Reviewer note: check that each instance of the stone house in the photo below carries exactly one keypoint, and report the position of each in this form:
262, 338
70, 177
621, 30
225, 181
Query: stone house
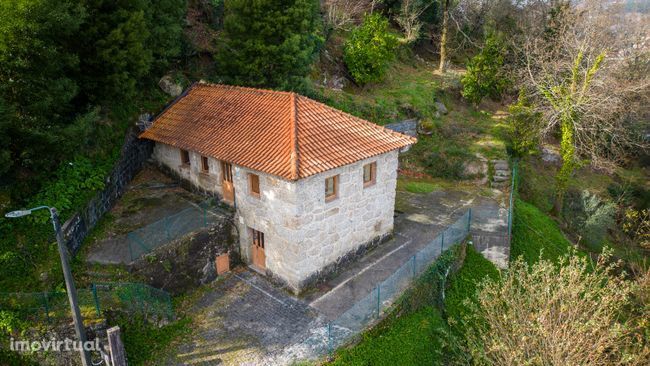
312, 187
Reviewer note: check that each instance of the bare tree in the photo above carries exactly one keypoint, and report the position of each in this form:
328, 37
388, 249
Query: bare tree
409, 18
342, 14
587, 70
444, 34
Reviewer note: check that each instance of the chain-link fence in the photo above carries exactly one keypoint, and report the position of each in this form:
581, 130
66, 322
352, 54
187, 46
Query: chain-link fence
380, 299
154, 235
513, 188
132, 298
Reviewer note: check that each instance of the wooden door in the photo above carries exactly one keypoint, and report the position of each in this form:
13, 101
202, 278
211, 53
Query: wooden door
259, 258
226, 182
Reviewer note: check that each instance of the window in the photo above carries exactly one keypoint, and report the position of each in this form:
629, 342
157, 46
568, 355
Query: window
331, 188
205, 167
369, 173
258, 238
185, 157
254, 185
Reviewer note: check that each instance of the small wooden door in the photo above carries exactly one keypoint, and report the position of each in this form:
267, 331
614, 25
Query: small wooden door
259, 258
226, 182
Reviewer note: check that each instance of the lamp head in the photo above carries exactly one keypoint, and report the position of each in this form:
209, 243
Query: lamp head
18, 213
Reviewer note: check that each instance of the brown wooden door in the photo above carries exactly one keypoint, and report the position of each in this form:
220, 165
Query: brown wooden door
226, 182
259, 258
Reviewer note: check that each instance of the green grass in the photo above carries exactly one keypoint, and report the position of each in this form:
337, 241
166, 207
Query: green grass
146, 344
411, 339
534, 232
421, 187
463, 284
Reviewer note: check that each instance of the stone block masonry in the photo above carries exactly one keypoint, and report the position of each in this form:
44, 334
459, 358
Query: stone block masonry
305, 237
134, 154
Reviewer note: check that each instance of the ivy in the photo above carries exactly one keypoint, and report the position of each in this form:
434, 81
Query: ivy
75, 182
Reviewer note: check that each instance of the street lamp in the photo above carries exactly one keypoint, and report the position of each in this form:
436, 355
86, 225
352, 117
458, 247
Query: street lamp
67, 275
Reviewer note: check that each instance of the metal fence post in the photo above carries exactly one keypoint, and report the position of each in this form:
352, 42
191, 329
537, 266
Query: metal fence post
47, 306
97, 308
414, 266
469, 219
378, 300
330, 347
442, 242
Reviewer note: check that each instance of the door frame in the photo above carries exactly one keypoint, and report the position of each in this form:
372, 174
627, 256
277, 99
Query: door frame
258, 249
227, 185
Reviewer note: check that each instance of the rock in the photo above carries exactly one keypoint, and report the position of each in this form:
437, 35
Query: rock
440, 107
170, 87
409, 110
550, 155
144, 121
500, 165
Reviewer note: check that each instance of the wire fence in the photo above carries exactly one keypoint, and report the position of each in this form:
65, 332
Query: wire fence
156, 234
132, 298
511, 199
381, 298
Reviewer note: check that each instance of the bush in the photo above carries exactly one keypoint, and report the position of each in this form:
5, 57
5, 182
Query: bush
525, 124
588, 216
369, 50
565, 313
485, 76
448, 162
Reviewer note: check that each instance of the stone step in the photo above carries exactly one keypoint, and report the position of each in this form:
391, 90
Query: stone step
500, 178
501, 173
500, 165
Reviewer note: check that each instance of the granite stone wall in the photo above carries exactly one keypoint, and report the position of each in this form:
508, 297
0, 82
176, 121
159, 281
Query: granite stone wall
306, 238
134, 154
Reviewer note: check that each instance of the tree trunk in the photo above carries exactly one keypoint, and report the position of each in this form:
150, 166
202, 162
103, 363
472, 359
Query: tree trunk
443, 38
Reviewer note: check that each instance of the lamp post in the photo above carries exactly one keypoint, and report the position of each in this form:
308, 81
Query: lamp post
67, 275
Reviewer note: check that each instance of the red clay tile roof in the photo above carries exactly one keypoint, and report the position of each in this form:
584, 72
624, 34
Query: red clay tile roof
278, 133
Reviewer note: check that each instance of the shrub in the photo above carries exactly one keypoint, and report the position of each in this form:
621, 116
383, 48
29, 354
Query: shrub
485, 76
447, 161
369, 50
588, 216
552, 314
525, 124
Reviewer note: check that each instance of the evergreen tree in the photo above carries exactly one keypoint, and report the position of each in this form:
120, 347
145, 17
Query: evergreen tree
37, 80
269, 43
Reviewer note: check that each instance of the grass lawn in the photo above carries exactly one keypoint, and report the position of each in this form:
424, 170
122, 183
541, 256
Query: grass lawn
463, 284
533, 232
411, 339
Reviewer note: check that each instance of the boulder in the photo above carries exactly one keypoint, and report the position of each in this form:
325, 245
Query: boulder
144, 121
550, 155
440, 107
169, 86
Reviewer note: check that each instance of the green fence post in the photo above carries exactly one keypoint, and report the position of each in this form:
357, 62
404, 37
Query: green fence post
130, 247
97, 308
414, 265
47, 306
469, 219
442, 242
170, 307
330, 347
378, 300
167, 228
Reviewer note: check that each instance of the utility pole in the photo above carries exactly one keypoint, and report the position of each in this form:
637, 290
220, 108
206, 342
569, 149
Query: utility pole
67, 275
72, 290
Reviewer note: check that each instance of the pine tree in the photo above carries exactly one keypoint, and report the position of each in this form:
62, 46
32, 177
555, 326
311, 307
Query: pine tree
269, 43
